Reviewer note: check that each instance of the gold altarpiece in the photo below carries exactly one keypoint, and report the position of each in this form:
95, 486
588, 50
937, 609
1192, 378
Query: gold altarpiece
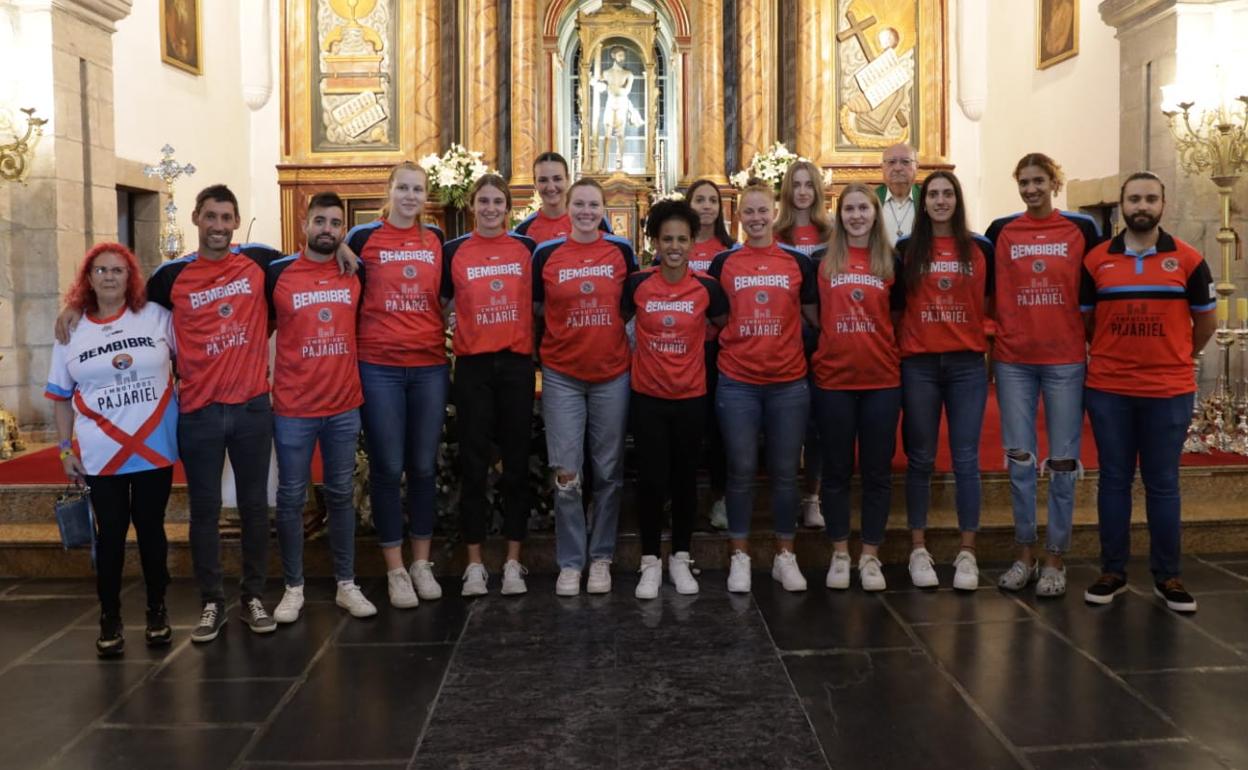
362, 89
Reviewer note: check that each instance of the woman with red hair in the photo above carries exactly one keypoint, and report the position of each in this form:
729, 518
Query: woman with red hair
112, 387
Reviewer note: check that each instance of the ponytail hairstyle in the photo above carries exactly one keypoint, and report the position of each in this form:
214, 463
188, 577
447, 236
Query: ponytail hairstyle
786, 220
836, 255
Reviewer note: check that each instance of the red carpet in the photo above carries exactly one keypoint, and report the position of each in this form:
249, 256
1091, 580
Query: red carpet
42, 467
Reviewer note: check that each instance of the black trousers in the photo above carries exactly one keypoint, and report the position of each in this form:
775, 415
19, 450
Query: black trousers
667, 434
716, 461
494, 403
117, 500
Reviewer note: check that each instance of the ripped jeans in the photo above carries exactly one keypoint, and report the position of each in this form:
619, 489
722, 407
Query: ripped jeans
1019, 386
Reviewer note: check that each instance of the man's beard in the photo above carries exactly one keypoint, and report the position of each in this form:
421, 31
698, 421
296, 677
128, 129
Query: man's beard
1141, 222
319, 245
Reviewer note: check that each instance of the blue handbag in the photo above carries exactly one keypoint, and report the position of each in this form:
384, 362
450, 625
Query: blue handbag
76, 520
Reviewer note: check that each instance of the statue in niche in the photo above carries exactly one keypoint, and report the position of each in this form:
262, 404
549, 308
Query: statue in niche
618, 111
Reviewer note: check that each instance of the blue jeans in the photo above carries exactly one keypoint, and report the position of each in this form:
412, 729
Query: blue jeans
295, 439
1019, 386
579, 413
867, 418
780, 411
1152, 430
403, 411
958, 382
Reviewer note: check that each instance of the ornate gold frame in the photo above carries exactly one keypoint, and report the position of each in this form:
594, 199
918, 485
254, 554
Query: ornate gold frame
199, 40
1041, 62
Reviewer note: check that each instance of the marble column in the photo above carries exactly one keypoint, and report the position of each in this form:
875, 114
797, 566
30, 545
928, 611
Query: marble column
706, 121
426, 72
757, 105
816, 82
480, 85
526, 52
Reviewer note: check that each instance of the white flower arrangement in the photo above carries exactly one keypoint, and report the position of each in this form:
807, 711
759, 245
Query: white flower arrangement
452, 174
770, 166
655, 197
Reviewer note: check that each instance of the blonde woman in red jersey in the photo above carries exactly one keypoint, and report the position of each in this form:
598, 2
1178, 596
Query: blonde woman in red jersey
762, 381
803, 224
857, 377
577, 285
947, 271
551, 178
1040, 349
487, 274
672, 307
711, 238
404, 376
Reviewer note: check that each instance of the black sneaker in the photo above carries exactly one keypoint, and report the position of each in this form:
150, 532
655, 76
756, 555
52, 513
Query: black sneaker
111, 643
211, 619
1176, 596
158, 632
256, 617
1106, 587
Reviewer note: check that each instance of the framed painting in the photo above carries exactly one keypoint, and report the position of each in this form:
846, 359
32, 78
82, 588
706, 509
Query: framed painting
181, 41
1057, 31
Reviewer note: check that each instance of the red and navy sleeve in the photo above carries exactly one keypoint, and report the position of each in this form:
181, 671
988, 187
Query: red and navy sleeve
448, 254
1087, 290
271, 275
628, 302
808, 293
718, 304
1087, 227
160, 284
990, 263
897, 293
1200, 294
540, 255
626, 250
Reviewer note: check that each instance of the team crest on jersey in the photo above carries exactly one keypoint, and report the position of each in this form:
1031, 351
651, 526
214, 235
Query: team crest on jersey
858, 295
945, 283
669, 321
225, 310
587, 287
1037, 266
1169, 264
761, 298
122, 362
496, 284
324, 315
409, 271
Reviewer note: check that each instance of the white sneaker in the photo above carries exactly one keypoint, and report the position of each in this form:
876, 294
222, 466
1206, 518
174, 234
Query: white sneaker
784, 570
352, 599
739, 573
965, 571
870, 574
288, 609
599, 581
399, 585
812, 512
651, 578
475, 578
568, 583
513, 578
838, 571
923, 569
680, 574
427, 586
719, 514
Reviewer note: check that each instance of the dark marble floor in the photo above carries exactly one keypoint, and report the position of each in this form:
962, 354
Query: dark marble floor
774, 680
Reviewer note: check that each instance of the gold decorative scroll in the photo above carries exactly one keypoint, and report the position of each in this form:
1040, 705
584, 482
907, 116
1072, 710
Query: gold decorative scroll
525, 61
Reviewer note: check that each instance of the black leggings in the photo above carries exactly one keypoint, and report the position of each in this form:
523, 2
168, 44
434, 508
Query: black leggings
117, 500
667, 435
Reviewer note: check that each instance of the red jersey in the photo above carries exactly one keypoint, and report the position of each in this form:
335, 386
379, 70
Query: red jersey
220, 323
857, 346
806, 239
491, 282
766, 288
700, 257
316, 373
401, 271
1143, 306
671, 321
1037, 268
945, 312
541, 228
579, 286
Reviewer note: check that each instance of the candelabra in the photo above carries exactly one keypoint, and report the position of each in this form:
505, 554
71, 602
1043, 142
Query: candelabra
1239, 444
16, 156
168, 170
1195, 442
1221, 403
